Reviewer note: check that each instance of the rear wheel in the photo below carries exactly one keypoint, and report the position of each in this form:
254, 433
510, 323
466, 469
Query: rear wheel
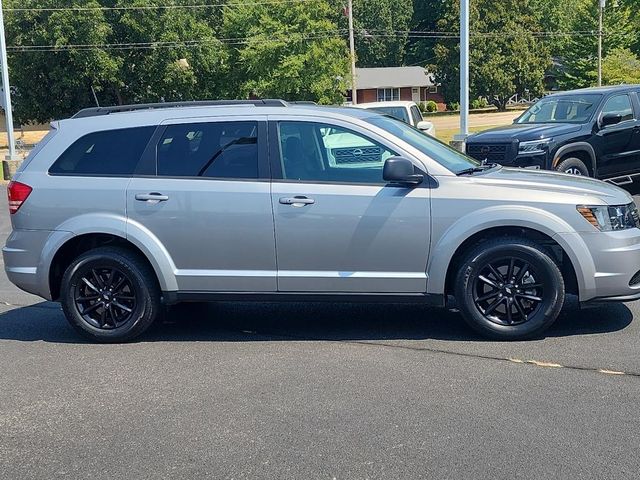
110, 295
509, 289
573, 166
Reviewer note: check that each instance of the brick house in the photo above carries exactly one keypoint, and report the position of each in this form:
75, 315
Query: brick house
386, 84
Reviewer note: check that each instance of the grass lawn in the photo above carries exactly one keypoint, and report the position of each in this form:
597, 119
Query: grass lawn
446, 134
449, 125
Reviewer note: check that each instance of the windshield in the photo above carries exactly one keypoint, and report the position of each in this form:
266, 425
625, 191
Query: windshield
397, 112
562, 109
440, 152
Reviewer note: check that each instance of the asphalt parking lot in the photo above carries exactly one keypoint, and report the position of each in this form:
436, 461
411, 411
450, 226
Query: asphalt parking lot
317, 391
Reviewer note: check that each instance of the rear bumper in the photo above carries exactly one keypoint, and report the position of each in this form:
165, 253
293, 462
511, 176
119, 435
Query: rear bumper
22, 261
608, 265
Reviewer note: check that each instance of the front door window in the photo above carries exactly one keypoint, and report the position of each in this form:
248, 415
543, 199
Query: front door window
314, 152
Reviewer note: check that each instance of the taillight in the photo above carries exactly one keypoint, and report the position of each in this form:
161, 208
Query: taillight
18, 193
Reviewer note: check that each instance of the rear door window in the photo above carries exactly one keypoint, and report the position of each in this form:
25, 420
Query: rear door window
108, 152
213, 150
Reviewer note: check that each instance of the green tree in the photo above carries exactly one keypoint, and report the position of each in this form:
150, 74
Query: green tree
126, 56
426, 15
178, 54
53, 83
580, 54
506, 57
621, 66
289, 50
381, 30
556, 19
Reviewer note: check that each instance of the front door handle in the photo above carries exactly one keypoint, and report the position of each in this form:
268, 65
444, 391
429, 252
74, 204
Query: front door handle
298, 201
151, 197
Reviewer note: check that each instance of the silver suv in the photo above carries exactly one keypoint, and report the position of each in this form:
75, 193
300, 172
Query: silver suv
120, 211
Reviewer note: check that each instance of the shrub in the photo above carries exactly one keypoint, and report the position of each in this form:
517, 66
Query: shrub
453, 106
479, 103
430, 106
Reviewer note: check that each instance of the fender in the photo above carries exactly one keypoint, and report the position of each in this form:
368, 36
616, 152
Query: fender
115, 225
576, 147
442, 253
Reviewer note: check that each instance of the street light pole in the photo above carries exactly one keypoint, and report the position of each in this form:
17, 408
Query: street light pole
352, 49
464, 73
601, 5
6, 94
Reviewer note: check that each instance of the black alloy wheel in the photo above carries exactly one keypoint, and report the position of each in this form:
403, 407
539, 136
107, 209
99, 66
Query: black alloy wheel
506, 291
110, 294
509, 288
105, 298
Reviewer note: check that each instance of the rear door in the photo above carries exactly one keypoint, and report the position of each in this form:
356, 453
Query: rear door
619, 144
202, 190
339, 227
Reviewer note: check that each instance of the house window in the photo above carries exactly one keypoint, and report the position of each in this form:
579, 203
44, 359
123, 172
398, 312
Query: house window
433, 89
388, 94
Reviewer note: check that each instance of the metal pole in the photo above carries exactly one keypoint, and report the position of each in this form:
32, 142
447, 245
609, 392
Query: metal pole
352, 48
6, 94
601, 5
464, 71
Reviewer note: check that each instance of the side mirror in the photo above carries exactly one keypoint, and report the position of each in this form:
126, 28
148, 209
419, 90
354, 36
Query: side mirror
424, 125
609, 119
400, 170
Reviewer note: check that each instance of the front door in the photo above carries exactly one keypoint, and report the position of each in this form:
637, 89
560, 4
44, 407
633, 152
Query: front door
620, 151
415, 94
206, 199
339, 227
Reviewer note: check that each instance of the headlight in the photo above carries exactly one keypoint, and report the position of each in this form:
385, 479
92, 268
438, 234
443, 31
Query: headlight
534, 147
607, 219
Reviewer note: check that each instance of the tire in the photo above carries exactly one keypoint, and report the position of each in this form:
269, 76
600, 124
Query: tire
525, 307
573, 166
115, 278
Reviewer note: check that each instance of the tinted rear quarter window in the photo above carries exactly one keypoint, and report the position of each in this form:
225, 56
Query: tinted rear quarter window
108, 152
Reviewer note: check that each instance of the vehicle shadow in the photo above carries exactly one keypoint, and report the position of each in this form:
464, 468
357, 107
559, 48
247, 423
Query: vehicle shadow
244, 322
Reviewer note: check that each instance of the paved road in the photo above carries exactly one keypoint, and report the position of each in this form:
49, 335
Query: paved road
315, 391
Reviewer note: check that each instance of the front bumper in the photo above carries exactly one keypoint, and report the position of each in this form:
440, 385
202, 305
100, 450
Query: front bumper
607, 264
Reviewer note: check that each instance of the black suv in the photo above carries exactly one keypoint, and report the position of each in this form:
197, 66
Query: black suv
593, 131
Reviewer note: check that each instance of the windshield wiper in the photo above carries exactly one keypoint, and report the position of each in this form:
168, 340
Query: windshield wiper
479, 168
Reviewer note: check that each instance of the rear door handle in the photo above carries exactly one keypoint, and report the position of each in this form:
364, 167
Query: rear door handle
151, 197
298, 201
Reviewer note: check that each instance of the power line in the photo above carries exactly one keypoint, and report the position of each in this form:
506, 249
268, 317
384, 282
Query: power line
173, 44
443, 35
151, 7
339, 33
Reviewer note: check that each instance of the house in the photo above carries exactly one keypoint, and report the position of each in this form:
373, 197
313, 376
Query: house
386, 84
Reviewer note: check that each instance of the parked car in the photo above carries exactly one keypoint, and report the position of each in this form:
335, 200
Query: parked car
590, 132
408, 112
121, 210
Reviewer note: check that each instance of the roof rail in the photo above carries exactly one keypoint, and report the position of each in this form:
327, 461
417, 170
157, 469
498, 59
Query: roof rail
98, 111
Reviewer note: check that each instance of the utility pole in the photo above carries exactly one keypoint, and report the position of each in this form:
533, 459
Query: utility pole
352, 49
601, 5
464, 74
6, 94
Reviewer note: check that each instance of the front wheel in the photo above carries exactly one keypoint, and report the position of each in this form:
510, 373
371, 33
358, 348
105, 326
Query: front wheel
110, 294
573, 166
509, 289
